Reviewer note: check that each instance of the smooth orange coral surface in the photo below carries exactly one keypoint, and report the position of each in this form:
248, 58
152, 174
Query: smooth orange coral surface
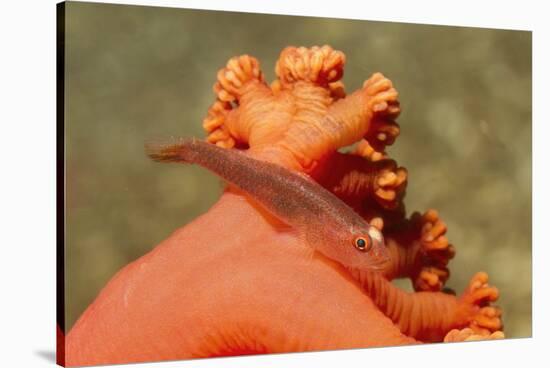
231, 282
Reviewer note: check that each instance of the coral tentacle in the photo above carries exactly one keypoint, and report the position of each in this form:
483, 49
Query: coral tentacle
429, 316
318, 65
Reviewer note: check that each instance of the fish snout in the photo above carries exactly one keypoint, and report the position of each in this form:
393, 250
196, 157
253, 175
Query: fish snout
381, 256
379, 253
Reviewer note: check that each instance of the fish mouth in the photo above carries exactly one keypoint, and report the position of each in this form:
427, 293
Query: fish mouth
378, 267
371, 271
380, 264
380, 257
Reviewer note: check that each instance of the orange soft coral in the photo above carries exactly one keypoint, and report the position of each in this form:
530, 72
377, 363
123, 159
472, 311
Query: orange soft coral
232, 282
303, 117
307, 114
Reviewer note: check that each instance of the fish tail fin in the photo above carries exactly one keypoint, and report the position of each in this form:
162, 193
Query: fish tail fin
171, 150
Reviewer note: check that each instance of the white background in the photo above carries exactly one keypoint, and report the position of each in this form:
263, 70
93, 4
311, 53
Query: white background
27, 181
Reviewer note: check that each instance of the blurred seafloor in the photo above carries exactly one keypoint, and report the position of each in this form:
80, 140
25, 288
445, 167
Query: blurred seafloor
135, 72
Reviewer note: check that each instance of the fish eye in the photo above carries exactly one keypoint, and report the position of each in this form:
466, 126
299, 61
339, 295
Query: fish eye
363, 243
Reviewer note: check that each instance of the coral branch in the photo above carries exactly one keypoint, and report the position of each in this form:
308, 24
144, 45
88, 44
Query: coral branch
422, 251
233, 79
429, 316
322, 66
241, 76
467, 334
372, 188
